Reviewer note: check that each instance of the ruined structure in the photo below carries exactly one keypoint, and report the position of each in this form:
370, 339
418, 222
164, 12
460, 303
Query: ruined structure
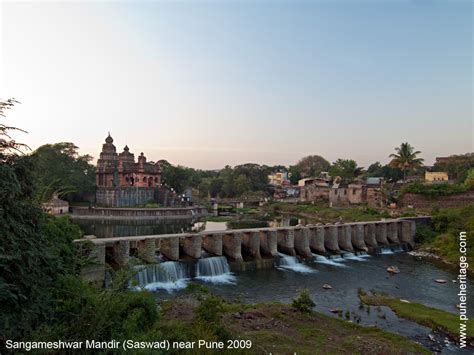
123, 182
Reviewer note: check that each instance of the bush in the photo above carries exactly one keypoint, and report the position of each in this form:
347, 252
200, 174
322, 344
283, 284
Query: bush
434, 190
424, 234
303, 302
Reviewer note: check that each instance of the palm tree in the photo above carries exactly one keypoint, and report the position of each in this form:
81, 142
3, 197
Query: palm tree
405, 159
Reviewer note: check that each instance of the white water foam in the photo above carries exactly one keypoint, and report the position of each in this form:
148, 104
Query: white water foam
287, 262
214, 270
320, 259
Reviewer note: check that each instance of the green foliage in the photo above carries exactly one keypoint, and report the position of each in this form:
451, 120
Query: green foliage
108, 313
434, 190
309, 166
447, 225
208, 315
457, 167
469, 182
347, 169
406, 158
303, 302
424, 234
36, 249
386, 171
59, 167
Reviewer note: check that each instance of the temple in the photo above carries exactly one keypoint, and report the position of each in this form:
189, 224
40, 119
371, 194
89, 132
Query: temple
121, 170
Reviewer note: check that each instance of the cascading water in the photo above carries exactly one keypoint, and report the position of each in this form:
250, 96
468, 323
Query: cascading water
291, 263
214, 269
169, 276
320, 259
355, 257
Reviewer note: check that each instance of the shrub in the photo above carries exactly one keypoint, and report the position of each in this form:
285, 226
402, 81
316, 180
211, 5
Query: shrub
424, 234
434, 190
303, 302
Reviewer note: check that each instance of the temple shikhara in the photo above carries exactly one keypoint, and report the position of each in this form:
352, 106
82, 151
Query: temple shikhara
120, 169
123, 182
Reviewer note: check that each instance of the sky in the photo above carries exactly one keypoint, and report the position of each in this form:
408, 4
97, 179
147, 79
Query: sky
212, 83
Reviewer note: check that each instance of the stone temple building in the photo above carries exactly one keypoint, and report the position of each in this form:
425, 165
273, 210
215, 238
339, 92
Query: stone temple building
121, 170
122, 181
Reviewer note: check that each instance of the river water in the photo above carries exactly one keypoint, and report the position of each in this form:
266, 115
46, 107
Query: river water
346, 275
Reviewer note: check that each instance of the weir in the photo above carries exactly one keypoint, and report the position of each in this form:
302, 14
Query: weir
247, 245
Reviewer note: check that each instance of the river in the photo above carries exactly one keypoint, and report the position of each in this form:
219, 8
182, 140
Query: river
346, 275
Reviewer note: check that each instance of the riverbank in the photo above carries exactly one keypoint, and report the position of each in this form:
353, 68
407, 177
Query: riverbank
436, 319
276, 328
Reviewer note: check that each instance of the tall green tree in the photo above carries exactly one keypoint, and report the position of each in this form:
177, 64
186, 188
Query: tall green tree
312, 165
405, 158
457, 166
60, 168
347, 169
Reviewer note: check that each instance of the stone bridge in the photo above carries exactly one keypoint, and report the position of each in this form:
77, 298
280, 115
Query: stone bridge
241, 245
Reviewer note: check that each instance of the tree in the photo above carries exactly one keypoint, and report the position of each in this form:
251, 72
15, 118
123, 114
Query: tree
347, 169
457, 166
59, 168
385, 171
312, 165
405, 159
7, 143
469, 182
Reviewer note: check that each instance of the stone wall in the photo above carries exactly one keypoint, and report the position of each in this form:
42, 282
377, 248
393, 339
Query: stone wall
422, 201
124, 196
314, 193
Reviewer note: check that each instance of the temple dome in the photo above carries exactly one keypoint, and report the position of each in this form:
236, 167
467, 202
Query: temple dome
109, 139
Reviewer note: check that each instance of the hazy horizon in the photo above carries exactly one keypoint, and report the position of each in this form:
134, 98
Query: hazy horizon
207, 84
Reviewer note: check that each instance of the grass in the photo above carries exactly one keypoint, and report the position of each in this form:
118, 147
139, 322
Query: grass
434, 318
274, 328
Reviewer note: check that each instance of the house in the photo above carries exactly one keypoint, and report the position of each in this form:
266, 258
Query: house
434, 177
56, 206
278, 178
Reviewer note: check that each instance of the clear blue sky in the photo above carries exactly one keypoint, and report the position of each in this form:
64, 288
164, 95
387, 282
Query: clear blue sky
205, 84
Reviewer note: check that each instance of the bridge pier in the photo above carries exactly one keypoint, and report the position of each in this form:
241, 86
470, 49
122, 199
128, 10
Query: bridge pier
408, 232
147, 250
392, 232
286, 241
268, 243
232, 245
192, 246
121, 252
302, 243
330, 238
212, 244
316, 239
344, 239
251, 244
369, 235
95, 271
357, 237
381, 233
169, 247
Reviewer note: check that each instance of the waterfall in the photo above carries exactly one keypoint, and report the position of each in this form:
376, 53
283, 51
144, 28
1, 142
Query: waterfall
214, 269
356, 257
169, 276
320, 259
288, 262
